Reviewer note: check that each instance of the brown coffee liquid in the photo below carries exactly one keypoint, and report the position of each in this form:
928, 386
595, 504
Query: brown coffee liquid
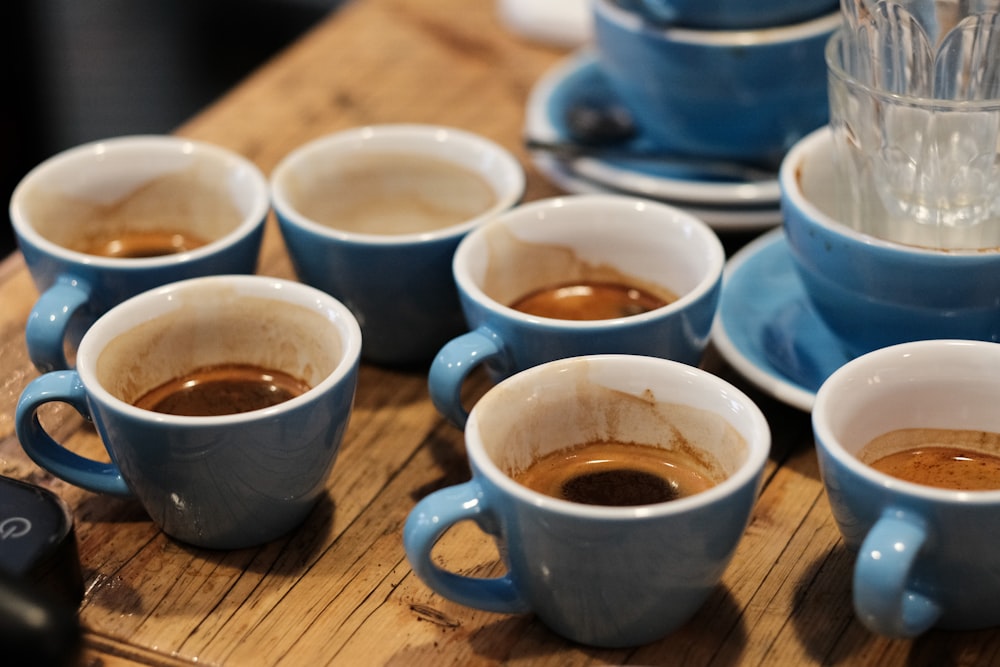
614, 474
222, 390
941, 458
138, 244
588, 301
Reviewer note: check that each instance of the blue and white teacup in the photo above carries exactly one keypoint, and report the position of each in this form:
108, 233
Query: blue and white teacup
728, 94
102, 222
552, 241
597, 574
372, 215
926, 554
217, 480
871, 292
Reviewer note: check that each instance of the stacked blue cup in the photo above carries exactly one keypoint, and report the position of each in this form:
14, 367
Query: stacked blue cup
726, 79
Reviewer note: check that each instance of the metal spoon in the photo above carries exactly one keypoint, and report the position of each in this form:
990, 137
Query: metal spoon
599, 130
597, 122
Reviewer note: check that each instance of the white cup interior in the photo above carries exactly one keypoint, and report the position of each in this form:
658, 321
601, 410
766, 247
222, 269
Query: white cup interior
546, 243
808, 178
168, 332
203, 190
622, 398
311, 169
934, 384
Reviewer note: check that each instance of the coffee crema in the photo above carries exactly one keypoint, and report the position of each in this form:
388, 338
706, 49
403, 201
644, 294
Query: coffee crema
944, 458
140, 243
589, 300
222, 390
615, 474
390, 193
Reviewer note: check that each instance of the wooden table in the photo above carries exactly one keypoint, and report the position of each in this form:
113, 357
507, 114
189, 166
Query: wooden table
339, 589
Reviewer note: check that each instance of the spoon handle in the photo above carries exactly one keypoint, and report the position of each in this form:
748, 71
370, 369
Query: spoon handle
742, 171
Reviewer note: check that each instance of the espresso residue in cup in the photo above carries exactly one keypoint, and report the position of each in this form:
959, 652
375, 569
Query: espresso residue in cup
172, 213
222, 390
552, 280
943, 458
588, 300
615, 474
140, 243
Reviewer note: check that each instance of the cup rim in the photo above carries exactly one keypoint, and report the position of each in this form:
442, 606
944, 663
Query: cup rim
106, 328
790, 185
758, 448
743, 37
677, 216
252, 221
512, 173
826, 440
836, 68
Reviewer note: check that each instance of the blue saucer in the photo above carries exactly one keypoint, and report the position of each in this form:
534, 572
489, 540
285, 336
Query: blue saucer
767, 330
579, 78
585, 83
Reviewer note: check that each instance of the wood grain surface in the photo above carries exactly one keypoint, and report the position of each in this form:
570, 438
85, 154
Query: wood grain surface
339, 589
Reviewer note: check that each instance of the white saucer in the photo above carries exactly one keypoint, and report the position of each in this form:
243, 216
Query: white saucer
767, 330
579, 76
720, 218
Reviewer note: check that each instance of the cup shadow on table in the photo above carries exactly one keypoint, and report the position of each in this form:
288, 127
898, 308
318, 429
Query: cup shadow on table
718, 627
380, 386
823, 616
288, 555
447, 448
526, 637
296, 548
830, 633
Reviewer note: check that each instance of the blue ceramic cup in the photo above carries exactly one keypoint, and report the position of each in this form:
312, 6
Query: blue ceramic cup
102, 222
555, 241
599, 575
372, 215
222, 481
730, 14
730, 94
927, 556
871, 292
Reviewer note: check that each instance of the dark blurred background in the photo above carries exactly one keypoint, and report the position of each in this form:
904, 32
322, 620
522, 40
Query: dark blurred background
79, 70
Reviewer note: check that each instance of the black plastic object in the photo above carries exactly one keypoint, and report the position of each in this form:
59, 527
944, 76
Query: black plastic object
41, 583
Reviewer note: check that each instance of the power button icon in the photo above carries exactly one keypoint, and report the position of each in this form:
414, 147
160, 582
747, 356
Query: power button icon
14, 527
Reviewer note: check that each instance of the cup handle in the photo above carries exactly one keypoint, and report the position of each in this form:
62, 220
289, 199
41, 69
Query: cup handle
49, 321
882, 600
62, 387
429, 520
453, 364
